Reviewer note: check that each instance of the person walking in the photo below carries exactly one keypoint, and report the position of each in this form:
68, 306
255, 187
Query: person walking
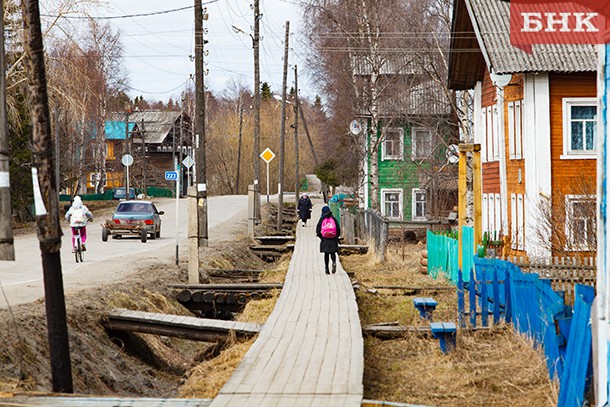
304, 209
328, 230
78, 215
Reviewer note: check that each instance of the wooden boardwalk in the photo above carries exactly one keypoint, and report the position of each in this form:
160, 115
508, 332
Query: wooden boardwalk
310, 350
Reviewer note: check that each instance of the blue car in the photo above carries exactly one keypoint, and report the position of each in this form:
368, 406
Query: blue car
119, 193
134, 217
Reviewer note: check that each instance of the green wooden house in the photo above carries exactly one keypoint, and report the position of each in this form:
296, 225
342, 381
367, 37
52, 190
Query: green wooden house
415, 180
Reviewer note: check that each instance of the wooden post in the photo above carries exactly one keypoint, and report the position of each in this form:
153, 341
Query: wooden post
475, 149
462, 187
7, 249
280, 186
193, 256
478, 195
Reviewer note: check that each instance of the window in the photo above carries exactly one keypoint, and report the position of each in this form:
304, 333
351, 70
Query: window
515, 130
391, 203
93, 179
419, 204
580, 222
392, 147
579, 128
517, 221
422, 143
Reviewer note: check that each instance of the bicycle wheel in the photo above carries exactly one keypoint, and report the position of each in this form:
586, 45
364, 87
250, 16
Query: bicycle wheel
77, 249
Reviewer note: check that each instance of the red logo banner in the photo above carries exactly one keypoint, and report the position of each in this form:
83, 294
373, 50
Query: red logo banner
558, 22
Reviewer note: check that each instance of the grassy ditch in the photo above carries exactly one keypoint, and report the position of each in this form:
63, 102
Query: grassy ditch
495, 367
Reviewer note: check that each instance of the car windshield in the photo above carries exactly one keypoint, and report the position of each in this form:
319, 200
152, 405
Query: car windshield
134, 207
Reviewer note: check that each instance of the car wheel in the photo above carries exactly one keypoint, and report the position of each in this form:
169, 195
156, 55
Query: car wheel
153, 235
143, 236
159, 232
104, 234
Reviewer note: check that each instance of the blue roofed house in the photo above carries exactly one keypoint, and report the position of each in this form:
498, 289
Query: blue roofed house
157, 140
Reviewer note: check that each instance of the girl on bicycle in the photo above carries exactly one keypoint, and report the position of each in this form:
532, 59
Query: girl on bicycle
78, 215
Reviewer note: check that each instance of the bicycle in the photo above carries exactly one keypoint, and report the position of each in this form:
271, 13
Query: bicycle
78, 246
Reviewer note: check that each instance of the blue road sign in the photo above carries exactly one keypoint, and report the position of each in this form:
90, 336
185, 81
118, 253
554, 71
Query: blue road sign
171, 175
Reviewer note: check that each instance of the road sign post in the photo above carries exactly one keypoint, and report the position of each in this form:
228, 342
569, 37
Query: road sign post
127, 161
267, 156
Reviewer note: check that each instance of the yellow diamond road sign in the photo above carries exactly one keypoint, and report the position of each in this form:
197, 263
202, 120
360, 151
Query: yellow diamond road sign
267, 155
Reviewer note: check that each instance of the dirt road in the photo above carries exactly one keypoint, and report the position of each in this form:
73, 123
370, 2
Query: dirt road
110, 261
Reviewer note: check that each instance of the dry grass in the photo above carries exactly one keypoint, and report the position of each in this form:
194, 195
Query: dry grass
206, 380
498, 367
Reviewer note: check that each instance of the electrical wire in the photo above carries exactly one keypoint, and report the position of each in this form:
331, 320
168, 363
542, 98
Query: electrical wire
155, 13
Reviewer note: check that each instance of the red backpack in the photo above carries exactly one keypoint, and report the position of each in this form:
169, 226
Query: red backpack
329, 228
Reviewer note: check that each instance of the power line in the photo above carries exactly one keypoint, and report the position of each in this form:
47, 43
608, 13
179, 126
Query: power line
154, 13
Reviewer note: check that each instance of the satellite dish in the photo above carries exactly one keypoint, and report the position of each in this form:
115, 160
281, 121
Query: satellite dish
500, 80
452, 154
355, 127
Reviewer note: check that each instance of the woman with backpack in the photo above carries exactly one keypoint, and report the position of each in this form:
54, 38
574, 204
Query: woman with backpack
328, 230
78, 215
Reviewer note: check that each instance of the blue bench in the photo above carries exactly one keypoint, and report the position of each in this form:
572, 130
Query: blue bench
445, 332
425, 306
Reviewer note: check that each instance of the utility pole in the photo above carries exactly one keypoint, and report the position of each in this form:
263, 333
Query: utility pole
7, 248
241, 121
257, 112
46, 201
144, 158
200, 176
126, 148
296, 138
280, 187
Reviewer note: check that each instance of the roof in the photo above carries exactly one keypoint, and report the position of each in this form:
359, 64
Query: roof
115, 130
428, 98
396, 64
156, 124
481, 32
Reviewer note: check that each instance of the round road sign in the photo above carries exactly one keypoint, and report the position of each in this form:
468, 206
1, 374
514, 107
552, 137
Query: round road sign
127, 160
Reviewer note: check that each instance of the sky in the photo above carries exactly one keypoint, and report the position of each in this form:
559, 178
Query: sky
158, 48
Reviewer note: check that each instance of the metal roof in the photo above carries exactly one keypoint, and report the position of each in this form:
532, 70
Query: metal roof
491, 21
156, 125
396, 64
428, 98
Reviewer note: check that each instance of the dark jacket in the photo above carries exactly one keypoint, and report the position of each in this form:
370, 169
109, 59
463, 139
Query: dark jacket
304, 208
328, 245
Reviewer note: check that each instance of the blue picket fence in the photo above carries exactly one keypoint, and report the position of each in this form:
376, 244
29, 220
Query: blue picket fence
499, 291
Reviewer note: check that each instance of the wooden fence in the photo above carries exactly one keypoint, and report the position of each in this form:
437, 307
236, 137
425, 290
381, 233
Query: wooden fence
563, 272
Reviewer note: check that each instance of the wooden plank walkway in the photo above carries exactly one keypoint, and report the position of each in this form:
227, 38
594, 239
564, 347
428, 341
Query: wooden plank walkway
310, 350
202, 329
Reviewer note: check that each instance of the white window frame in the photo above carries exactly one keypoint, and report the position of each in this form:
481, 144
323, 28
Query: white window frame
401, 149
414, 131
483, 133
519, 129
414, 202
570, 200
414, 193
398, 191
569, 154
512, 140
496, 133
92, 179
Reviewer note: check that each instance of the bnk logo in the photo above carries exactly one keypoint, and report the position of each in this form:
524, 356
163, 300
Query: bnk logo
558, 22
